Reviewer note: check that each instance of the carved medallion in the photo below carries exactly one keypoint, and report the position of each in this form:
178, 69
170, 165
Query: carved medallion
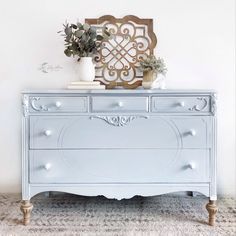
118, 120
132, 40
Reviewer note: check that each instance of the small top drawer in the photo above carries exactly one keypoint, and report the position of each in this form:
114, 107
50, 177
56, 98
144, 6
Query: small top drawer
181, 104
58, 104
115, 104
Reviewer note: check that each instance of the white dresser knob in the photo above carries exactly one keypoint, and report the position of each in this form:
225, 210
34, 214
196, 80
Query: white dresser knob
192, 132
48, 132
47, 166
181, 104
192, 165
58, 104
120, 104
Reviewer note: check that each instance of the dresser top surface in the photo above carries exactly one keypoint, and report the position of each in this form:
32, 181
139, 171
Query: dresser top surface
118, 91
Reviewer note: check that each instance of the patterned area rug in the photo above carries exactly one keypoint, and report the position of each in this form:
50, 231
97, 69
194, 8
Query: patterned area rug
165, 215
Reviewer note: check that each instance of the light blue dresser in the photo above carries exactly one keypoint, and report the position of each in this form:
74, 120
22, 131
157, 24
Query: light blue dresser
119, 143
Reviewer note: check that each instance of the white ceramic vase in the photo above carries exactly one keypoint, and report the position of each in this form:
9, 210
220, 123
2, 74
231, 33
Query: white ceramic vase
85, 69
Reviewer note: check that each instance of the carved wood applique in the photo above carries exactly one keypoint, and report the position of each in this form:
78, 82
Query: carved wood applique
117, 62
118, 120
201, 106
36, 107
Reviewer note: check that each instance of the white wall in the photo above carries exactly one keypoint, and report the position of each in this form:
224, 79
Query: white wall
195, 37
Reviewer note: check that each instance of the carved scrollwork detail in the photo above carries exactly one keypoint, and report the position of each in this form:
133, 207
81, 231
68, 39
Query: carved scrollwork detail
201, 106
213, 103
25, 105
118, 120
36, 107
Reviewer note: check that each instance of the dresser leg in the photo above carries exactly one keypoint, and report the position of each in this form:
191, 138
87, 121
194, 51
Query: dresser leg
212, 209
26, 208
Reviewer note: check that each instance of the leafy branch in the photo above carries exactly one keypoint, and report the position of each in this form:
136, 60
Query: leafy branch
82, 40
151, 63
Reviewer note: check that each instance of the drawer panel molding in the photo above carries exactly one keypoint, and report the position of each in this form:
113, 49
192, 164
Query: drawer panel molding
181, 104
58, 104
119, 104
85, 131
119, 166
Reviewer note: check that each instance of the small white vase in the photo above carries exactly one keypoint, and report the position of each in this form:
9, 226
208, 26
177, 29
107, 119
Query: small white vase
85, 69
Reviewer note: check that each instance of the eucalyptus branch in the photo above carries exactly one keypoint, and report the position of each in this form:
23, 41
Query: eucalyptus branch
82, 40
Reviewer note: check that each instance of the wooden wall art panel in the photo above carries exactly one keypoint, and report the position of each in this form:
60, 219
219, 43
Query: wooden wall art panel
132, 39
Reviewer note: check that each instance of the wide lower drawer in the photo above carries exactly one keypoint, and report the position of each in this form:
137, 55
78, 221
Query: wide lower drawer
119, 131
119, 166
115, 104
58, 104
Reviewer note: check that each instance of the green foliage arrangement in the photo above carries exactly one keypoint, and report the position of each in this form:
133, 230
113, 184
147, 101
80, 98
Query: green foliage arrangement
151, 63
82, 40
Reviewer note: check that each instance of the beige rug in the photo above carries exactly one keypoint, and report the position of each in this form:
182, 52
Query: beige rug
75, 215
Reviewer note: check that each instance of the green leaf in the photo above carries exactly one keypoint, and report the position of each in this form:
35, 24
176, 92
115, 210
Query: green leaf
67, 38
92, 34
86, 27
67, 52
91, 43
92, 29
74, 46
68, 31
79, 25
84, 38
79, 33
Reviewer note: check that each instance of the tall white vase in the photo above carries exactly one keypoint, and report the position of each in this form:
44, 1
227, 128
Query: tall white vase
85, 69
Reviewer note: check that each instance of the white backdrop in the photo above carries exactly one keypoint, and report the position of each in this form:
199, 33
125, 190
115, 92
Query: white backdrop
195, 37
